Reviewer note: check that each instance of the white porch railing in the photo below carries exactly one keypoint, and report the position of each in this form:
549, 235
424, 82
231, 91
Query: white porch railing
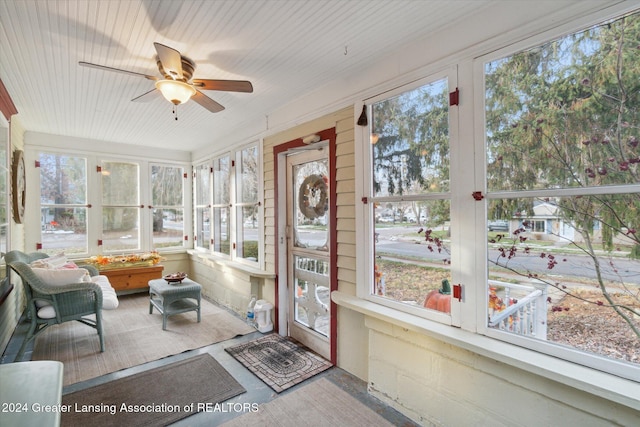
523, 316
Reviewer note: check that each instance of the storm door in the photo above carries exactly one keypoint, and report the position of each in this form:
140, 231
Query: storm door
308, 248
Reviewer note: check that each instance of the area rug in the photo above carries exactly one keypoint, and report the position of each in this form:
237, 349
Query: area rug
133, 337
320, 403
156, 397
279, 362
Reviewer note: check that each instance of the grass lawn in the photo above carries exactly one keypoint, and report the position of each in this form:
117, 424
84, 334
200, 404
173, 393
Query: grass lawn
410, 282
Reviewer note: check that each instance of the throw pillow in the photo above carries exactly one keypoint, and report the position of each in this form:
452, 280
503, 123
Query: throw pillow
56, 261
39, 263
60, 277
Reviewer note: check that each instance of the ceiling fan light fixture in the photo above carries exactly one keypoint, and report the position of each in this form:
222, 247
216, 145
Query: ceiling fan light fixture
175, 91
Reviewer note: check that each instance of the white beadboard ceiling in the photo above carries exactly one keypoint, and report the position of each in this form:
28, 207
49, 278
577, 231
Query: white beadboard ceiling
286, 48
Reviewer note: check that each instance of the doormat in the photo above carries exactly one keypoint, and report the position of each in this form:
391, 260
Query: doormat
159, 396
279, 362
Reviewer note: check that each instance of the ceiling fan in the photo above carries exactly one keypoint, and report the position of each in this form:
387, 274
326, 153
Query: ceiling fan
177, 85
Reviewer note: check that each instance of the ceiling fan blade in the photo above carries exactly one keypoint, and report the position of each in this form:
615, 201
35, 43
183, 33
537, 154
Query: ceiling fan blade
117, 70
225, 85
171, 60
207, 102
147, 96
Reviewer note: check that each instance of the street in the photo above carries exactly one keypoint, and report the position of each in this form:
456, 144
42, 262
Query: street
393, 243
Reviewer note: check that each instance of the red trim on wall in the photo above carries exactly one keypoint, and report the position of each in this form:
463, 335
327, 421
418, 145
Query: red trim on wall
7, 106
330, 135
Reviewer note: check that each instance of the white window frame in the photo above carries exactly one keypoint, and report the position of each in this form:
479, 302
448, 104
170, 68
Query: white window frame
366, 227
228, 204
566, 365
197, 245
237, 206
143, 238
567, 353
234, 156
33, 235
532, 225
186, 202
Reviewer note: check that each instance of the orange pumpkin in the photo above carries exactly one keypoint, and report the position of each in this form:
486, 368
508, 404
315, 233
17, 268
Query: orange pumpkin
439, 299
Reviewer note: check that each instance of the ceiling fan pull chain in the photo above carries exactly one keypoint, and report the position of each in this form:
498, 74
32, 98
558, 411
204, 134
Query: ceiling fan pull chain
175, 111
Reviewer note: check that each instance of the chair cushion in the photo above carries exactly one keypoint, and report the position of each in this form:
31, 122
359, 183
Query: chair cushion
47, 312
109, 296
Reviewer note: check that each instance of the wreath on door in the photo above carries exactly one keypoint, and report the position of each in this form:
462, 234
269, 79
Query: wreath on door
312, 196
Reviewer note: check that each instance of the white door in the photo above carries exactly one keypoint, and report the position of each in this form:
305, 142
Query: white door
308, 248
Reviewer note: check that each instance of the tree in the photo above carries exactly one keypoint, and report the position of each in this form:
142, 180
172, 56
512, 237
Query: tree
120, 198
566, 115
63, 188
411, 153
166, 188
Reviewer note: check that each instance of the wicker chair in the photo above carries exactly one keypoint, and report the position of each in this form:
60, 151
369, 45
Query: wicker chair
72, 301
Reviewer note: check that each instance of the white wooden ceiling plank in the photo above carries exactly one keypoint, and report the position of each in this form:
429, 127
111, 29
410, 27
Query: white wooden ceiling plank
287, 48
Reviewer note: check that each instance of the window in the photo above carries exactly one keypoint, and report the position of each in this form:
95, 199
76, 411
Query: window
167, 199
117, 211
247, 203
203, 205
227, 206
533, 225
409, 148
551, 138
563, 165
63, 203
120, 206
221, 198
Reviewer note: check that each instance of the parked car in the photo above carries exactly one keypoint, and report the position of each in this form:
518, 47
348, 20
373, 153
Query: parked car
386, 219
498, 225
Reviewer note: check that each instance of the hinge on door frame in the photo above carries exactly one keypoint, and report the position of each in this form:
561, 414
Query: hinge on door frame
37, 162
454, 97
98, 168
457, 292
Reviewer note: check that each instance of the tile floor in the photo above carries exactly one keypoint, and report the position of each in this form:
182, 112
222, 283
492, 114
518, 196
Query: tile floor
257, 391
